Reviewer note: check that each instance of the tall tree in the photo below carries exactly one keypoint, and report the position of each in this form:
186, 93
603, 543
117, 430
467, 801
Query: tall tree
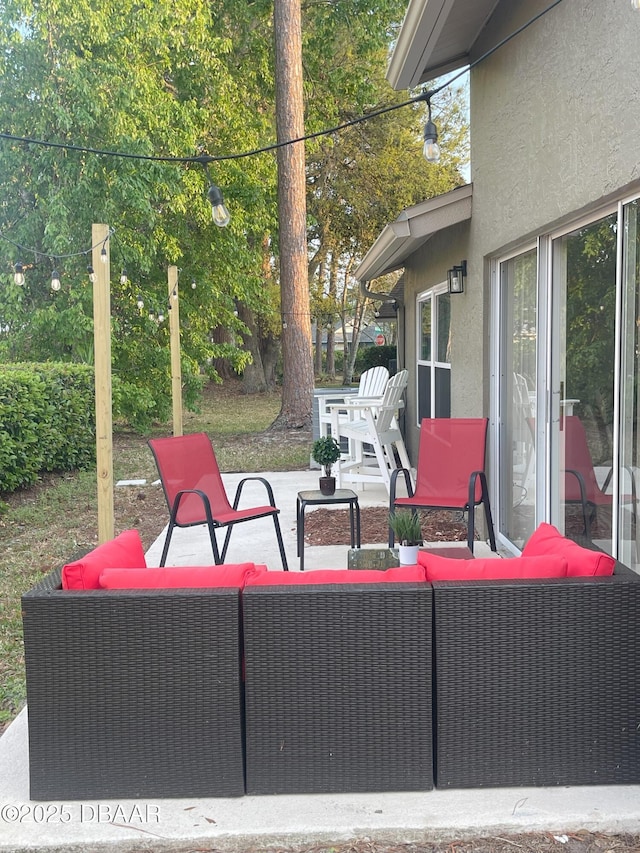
297, 381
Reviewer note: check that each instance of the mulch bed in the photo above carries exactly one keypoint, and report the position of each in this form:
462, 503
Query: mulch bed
331, 526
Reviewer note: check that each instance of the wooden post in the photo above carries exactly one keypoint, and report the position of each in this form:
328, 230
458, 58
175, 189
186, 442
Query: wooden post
176, 367
102, 362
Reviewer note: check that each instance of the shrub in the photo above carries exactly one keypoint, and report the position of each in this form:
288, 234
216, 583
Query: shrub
46, 421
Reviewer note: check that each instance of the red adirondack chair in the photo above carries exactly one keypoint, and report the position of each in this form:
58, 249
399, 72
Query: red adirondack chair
196, 495
450, 472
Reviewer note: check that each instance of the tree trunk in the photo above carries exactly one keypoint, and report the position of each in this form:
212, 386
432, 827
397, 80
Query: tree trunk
297, 359
331, 334
222, 366
253, 379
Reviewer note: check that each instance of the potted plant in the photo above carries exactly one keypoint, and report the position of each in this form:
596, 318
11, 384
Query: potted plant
406, 528
325, 452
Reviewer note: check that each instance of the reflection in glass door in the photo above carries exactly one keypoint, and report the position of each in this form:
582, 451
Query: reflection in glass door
628, 551
518, 383
583, 370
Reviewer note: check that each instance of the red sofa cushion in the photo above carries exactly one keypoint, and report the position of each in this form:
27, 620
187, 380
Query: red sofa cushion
451, 569
400, 573
180, 577
125, 551
547, 539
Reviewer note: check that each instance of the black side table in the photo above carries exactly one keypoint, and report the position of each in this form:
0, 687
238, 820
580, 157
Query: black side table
314, 498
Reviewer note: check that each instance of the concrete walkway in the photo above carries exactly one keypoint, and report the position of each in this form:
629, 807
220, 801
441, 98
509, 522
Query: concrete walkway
246, 822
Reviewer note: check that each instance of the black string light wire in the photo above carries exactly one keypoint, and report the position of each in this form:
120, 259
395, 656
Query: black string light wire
214, 194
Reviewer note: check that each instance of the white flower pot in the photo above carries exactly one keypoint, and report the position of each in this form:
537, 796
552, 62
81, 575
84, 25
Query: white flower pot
408, 554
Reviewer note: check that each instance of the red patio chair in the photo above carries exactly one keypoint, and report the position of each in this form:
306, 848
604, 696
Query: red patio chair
580, 483
450, 473
196, 495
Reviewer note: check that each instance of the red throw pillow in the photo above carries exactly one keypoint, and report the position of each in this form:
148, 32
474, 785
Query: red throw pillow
341, 576
447, 569
180, 577
547, 539
125, 551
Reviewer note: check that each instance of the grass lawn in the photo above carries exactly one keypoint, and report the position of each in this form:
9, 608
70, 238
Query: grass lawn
45, 526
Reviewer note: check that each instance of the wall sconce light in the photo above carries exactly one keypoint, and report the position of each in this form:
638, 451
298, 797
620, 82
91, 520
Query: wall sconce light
456, 276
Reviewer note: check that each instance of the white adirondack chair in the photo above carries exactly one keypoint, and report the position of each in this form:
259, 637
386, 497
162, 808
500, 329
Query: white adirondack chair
371, 387
374, 437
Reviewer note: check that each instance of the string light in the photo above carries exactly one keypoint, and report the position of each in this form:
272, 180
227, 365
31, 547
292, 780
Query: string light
18, 274
431, 149
124, 278
140, 302
219, 212
91, 274
103, 255
193, 284
55, 281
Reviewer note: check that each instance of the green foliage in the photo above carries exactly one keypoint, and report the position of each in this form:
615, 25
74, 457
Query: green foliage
179, 81
46, 421
406, 527
376, 356
326, 451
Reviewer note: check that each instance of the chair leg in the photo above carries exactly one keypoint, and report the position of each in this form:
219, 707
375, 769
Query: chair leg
487, 512
217, 559
283, 555
167, 541
471, 529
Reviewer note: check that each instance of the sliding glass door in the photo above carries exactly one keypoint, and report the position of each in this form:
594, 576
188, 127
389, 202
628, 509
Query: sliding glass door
518, 384
567, 410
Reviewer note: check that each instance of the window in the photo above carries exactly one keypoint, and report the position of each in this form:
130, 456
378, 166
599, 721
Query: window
434, 354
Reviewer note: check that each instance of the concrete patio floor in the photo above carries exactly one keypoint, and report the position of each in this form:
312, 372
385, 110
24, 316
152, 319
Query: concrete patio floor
249, 822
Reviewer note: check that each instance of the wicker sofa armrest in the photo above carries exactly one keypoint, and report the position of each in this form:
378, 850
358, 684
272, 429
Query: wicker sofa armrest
133, 693
538, 682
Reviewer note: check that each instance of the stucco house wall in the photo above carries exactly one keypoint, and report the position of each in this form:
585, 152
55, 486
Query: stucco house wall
554, 117
425, 269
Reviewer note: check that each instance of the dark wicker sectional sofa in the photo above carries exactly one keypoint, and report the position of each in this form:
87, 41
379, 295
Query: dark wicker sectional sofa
209, 692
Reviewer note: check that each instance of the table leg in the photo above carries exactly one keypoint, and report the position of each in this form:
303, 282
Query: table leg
301, 535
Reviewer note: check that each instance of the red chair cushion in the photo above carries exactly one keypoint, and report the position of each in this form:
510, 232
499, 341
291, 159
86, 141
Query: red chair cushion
125, 551
180, 577
451, 569
341, 576
547, 539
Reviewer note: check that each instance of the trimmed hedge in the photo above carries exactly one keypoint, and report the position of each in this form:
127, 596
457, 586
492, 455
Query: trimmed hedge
47, 421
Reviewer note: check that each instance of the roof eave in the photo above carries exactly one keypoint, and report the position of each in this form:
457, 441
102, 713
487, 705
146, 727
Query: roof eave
413, 227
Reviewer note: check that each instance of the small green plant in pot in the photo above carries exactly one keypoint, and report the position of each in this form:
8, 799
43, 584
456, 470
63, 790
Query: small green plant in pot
326, 452
407, 530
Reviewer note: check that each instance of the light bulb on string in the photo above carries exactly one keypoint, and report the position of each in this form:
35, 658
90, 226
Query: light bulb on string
174, 295
124, 278
55, 281
219, 211
91, 274
193, 284
160, 316
140, 301
103, 254
18, 274
431, 149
